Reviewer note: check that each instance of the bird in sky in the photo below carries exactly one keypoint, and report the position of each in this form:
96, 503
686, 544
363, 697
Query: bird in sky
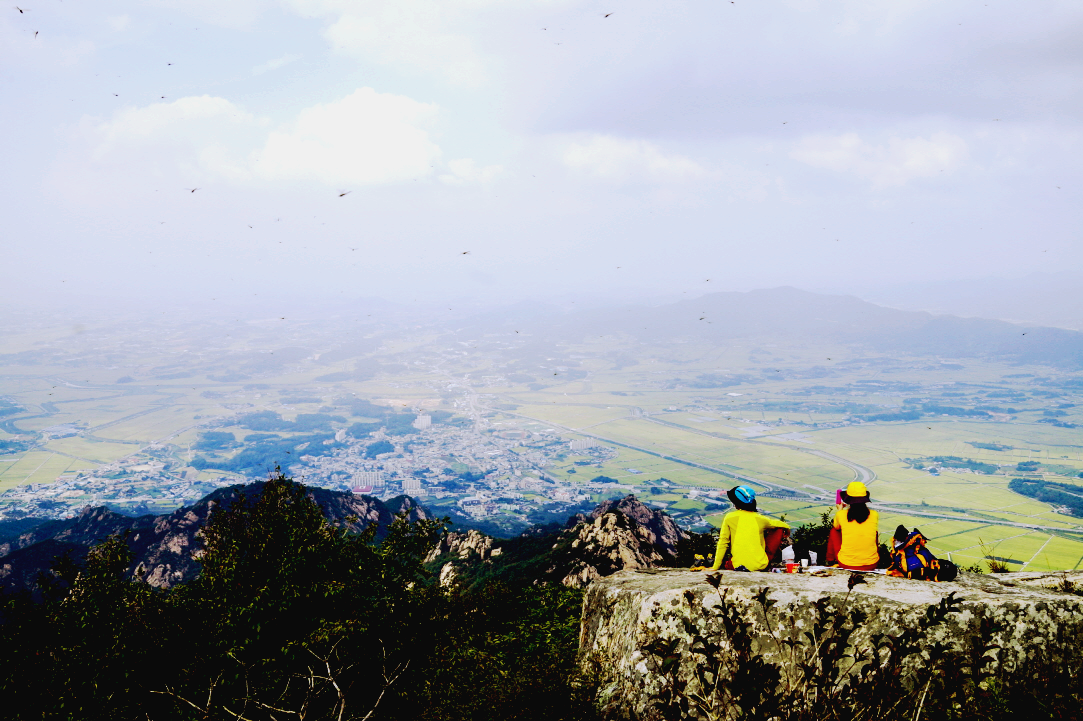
19, 9
344, 193
608, 14
191, 190
466, 252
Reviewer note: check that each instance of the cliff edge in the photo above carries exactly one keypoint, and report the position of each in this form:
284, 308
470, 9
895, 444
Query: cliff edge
666, 643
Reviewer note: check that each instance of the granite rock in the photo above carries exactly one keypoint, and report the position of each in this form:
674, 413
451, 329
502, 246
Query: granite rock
1012, 619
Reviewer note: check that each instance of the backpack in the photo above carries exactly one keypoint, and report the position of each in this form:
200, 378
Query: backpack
912, 559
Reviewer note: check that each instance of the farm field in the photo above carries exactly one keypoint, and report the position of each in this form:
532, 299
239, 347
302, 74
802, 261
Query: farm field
801, 418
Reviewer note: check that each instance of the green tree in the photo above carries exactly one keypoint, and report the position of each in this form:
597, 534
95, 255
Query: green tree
290, 617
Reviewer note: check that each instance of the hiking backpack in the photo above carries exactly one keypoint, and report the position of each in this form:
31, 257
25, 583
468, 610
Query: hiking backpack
911, 559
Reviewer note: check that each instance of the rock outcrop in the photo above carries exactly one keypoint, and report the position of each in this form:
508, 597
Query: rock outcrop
611, 542
648, 632
167, 547
464, 545
663, 532
462, 550
621, 534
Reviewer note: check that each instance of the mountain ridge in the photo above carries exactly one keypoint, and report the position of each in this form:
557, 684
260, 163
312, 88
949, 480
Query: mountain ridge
166, 548
794, 313
618, 534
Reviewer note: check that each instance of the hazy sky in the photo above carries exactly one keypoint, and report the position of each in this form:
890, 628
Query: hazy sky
505, 149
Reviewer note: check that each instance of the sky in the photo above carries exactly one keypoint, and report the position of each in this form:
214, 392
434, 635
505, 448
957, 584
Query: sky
194, 150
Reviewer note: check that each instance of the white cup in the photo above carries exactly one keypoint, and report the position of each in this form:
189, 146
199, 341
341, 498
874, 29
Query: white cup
804, 563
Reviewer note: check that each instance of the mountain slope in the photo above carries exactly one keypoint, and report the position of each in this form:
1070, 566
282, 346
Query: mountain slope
797, 314
166, 547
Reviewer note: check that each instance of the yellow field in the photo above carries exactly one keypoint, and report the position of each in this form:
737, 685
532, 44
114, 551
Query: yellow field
37, 467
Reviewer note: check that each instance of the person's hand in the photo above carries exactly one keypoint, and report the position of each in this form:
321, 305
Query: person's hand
840, 506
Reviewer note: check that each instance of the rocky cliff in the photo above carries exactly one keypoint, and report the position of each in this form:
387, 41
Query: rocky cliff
167, 547
669, 643
611, 542
617, 535
662, 532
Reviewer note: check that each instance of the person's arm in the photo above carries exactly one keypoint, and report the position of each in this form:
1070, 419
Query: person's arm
723, 544
775, 523
835, 521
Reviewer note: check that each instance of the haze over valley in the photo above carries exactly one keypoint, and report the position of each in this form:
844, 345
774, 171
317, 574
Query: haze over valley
527, 414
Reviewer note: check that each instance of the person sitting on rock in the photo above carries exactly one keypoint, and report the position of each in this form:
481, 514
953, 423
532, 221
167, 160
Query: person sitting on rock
749, 539
854, 540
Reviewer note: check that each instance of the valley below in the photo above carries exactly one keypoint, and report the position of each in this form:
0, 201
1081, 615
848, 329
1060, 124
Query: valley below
513, 418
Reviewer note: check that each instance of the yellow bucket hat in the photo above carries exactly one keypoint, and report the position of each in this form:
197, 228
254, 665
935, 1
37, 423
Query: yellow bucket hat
857, 489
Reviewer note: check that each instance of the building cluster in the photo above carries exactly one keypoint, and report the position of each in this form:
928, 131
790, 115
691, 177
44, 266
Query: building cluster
502, 473
132, 486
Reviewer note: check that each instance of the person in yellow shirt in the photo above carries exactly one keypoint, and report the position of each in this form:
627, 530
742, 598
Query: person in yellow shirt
750, 538
854, 540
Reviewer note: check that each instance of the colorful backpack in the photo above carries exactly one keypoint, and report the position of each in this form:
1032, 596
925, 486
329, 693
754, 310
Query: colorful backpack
911, 559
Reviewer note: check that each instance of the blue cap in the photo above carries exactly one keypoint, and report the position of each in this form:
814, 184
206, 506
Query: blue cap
744, 494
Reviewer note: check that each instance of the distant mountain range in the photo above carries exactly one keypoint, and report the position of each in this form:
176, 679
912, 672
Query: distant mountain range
791, 313
1051, 299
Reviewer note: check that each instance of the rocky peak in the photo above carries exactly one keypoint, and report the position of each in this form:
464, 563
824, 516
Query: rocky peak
405, 504
462, 550
663, 532
609, 543
465, 545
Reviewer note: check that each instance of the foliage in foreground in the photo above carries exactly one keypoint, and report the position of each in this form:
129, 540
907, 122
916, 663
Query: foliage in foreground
290, 619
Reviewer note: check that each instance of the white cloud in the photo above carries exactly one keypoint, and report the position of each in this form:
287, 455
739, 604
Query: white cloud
364, 138
896, 163
193, 120
367, 137
636, 161
435, 37
465, 170
276, 63
120, 23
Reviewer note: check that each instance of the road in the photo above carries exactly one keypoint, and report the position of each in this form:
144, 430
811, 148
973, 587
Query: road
861, 473
818, 497
675, 459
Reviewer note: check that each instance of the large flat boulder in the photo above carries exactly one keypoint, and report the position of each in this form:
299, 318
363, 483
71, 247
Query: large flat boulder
668, 643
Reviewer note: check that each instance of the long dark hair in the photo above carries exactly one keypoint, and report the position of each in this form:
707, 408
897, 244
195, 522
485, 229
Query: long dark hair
859, 510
